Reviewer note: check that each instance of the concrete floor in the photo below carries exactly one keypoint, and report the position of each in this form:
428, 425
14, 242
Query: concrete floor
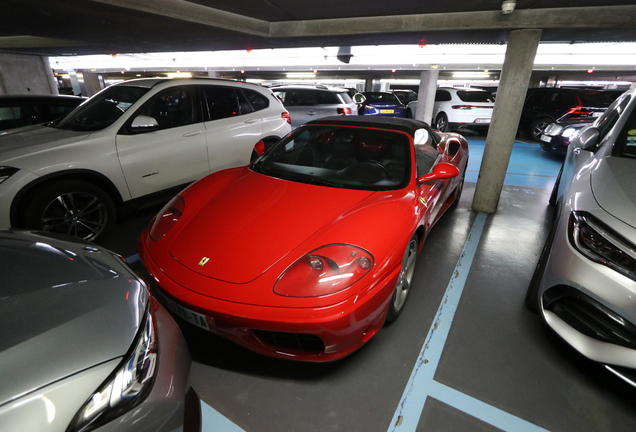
487, 363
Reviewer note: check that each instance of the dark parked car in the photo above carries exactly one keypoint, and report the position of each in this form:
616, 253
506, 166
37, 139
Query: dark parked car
545, 105
405, 96
383, 104
24, 110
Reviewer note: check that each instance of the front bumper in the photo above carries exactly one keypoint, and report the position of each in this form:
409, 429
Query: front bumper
316, 334
589, 305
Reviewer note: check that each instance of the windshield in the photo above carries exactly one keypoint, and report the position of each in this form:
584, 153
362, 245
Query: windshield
345, 157
103, 109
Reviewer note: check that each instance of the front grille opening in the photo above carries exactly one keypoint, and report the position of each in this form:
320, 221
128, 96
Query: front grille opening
298, 341
589, 317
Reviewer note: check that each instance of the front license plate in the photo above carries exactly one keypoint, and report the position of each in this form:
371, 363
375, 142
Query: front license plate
199, 320
386, 111
546, 138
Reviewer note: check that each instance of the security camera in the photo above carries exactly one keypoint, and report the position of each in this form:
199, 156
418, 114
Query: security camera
508, 6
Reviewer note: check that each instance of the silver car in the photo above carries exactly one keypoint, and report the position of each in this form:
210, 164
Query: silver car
306, 103
83, 346
584, 285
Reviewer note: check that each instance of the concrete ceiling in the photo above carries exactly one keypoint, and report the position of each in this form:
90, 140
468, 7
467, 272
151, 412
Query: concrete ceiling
80, 27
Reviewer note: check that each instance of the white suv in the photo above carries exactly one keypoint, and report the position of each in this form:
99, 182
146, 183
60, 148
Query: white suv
125, 145
462, 109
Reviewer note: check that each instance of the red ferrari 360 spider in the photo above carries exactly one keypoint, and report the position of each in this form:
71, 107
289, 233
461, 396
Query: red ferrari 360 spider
305, 253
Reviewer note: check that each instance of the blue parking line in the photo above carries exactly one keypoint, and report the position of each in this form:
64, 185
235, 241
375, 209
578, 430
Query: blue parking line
214, 421
133, 258
409, 410
481, 410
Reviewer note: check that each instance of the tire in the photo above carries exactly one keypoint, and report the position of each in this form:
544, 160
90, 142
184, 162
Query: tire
441, 122
72, 207
403, 285
537, 127
532, 294
458, 192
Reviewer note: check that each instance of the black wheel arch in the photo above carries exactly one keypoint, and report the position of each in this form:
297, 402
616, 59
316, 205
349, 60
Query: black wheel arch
19, 203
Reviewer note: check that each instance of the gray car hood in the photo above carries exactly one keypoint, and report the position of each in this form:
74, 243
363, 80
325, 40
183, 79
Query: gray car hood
613, 187
31, 139
63, 309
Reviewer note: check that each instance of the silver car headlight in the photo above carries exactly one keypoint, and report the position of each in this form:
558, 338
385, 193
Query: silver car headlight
6, 172
601, 244
125, 388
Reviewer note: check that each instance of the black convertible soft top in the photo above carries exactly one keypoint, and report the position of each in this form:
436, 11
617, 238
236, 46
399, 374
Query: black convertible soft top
398, 124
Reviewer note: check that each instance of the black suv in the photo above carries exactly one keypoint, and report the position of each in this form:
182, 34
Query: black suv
24, 110
545, 105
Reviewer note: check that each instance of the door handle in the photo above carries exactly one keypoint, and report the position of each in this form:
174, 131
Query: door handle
252, 121
311, 112
191, 134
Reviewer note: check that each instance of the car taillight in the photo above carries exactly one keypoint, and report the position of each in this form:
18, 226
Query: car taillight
324, 271
167, 218
579, 109
344, 111
285, 115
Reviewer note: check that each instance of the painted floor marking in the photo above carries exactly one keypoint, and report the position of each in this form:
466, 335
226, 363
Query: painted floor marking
214, 421
421, 383
133, 258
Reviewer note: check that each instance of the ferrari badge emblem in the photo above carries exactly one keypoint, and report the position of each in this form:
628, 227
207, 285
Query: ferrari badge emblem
423, 201
203, 261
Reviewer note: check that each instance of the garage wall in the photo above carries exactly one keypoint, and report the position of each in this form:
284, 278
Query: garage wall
26, 74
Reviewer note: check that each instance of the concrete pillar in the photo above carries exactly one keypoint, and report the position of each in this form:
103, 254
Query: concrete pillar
426, 96
513, 85
75, 84
368, 84
26, 74
91, 83
214, 74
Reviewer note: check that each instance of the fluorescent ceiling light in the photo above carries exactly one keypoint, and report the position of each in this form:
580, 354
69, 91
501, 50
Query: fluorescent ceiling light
179, 75
471, 74
301, 75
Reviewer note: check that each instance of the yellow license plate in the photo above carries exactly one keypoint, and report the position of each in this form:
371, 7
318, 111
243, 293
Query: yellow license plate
387, 111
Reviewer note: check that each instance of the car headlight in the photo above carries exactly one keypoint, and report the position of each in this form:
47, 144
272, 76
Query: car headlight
569, 132
6, 172
324, 271
167, 218
127, 387
601, 244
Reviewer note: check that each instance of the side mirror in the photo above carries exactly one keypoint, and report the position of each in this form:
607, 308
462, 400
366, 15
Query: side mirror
588, 138
144, 122
440, 171
359, 98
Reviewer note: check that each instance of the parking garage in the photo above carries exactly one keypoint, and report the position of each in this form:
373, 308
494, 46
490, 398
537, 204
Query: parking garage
466, 353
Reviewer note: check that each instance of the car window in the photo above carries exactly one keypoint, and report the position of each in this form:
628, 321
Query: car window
103, 109
608, 119
172, 108
328, 98
425, 151
594, 99
381, 98
625, 145
354, 158
222, 102
442, 96
298, 97
476, 96
257, 100
344, 96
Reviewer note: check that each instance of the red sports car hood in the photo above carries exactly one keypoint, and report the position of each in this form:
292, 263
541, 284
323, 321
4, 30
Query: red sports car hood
254, 222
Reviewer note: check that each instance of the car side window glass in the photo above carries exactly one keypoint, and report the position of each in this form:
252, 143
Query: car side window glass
301, 98
606, 122
257, 100
172, 108
222, 102
425, 152
442, 96
244, 105
327, 98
